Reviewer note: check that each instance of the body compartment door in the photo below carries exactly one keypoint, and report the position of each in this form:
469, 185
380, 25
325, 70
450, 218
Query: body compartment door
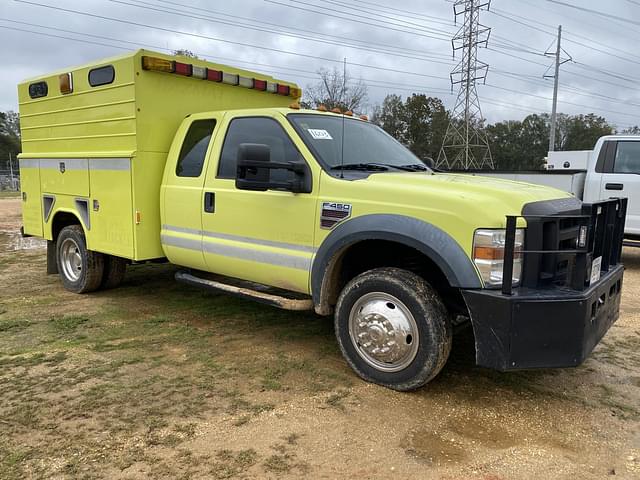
182, 195
265, 237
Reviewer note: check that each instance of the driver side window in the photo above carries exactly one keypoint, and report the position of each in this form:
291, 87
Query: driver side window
261, 130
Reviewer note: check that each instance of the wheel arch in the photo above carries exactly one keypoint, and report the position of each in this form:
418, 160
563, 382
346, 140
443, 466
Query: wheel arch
63, 217
431, 242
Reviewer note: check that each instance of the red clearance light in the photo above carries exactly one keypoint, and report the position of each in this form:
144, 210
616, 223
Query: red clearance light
336, 110
157, 64
283, 89
183, 69
214, 75
259, 84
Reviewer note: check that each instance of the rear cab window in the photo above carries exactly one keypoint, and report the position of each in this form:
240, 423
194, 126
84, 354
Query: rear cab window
194, 148
627, 159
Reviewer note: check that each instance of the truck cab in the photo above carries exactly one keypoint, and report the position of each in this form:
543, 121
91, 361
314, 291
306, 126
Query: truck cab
309, 209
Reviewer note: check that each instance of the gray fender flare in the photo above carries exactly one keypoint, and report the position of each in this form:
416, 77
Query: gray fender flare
432, 241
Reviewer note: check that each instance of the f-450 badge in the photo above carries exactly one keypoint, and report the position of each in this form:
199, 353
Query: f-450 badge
334, 213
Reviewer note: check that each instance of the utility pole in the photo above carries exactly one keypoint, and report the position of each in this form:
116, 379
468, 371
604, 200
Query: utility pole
556, 79
466, 144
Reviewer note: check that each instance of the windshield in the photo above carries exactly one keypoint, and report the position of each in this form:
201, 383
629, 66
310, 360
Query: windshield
365, 145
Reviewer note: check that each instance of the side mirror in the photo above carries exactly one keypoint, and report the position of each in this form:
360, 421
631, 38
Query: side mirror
254, 167
428, 161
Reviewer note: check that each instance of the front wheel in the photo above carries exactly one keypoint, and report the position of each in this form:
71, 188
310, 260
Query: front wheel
393, 328
80, 269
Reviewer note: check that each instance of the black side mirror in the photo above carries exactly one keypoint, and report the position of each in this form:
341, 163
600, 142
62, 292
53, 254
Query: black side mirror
254, 167
428, 161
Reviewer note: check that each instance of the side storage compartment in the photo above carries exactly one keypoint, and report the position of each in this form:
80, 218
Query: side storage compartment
65, 176
31, 196
110, 207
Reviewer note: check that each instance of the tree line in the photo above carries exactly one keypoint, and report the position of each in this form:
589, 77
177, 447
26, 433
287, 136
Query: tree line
9, 139
420, 123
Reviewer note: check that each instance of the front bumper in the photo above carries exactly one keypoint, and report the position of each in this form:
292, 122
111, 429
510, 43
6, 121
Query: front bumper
542, 328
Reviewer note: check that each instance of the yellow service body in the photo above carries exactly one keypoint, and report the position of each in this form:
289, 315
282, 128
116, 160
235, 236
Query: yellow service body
108, 144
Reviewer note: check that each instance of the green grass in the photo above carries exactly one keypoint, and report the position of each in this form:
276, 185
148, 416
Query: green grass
9, 194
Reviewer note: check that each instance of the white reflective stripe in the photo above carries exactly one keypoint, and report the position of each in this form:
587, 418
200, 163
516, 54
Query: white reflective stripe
110, 164
69, 163
78, 163
232, 251
187, 243
277, 259
29, 163
237, 238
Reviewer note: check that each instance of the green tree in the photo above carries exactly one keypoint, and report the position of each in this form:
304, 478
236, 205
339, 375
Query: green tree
583, 131
9, 138
420, 122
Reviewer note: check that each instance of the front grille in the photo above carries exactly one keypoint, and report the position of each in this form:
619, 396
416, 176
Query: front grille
552, 256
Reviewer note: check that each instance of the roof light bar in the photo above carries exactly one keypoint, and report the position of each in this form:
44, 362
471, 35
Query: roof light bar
189, 70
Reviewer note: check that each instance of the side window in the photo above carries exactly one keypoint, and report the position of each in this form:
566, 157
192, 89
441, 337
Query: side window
194, 148
627, 158
102, 76
257, 130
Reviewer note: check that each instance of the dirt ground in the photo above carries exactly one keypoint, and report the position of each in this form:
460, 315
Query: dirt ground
156, 379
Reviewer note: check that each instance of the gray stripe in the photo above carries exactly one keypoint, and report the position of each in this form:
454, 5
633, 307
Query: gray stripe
187, 243
110, 164
69, 163
78, 163
236, 238
29, 163
277, 259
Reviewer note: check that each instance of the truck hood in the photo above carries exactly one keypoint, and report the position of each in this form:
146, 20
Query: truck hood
504, 197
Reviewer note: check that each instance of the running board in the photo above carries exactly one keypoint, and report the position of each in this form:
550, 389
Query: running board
248, 293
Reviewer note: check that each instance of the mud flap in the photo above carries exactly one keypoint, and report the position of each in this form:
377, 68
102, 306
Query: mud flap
52, 264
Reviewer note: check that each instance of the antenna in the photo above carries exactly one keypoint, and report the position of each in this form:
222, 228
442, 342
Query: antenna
344, 91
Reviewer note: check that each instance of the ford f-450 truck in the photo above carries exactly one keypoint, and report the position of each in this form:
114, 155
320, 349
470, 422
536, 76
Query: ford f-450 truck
150, 157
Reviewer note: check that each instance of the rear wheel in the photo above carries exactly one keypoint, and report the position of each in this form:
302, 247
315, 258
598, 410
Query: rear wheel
80, 269
114, 271
393, 328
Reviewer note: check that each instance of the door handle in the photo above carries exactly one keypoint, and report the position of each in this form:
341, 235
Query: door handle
614, 186
209, 202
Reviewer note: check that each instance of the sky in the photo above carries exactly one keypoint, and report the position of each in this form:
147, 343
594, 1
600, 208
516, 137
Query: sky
400, 47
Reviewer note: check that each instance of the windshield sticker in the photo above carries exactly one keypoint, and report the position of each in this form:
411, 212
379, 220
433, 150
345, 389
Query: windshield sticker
319, 134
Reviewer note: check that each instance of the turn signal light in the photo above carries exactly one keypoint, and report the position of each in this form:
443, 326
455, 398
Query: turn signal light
158, 64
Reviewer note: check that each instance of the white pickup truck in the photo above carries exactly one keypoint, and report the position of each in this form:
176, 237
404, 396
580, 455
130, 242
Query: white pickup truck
612, 170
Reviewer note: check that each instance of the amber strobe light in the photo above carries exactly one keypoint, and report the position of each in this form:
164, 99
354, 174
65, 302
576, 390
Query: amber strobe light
66, 83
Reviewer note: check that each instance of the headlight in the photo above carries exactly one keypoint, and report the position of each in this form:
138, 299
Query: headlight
488, 255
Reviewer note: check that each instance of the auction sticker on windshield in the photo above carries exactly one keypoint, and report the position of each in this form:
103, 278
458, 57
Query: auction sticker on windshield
319, 134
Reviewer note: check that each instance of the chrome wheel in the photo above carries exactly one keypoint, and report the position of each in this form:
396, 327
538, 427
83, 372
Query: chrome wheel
383, 332
71, 259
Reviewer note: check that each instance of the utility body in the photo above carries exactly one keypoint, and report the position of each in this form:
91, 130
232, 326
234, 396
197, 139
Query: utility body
150, 157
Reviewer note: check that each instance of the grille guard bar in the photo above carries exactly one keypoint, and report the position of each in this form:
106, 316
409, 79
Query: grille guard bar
605, 222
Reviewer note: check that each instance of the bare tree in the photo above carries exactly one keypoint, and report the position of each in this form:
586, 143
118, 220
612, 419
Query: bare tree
185, 53
335, 90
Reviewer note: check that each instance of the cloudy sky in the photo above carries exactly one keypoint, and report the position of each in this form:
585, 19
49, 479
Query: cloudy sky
399, 47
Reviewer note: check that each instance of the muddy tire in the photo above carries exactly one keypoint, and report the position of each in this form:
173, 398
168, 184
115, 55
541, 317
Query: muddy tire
80, 269
114, 271
393, 328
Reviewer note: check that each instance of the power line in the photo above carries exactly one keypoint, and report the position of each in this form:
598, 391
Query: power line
206, 37
595, 12
183, 13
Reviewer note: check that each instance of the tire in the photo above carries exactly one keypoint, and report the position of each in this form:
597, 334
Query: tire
393, 328
114, 271
80, 269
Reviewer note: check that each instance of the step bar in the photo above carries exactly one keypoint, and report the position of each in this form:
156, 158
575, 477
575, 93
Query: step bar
246, 293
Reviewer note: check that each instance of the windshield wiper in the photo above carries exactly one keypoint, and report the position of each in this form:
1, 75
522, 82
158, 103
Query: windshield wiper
414, 167
368, 167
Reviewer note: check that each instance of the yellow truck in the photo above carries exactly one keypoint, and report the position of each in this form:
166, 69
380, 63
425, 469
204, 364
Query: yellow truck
151, 157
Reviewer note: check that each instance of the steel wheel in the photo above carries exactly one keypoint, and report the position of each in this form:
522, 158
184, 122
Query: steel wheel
383, 332
71, 259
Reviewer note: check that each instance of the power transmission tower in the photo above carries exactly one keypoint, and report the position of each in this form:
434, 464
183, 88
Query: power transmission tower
556, 77
466, 145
